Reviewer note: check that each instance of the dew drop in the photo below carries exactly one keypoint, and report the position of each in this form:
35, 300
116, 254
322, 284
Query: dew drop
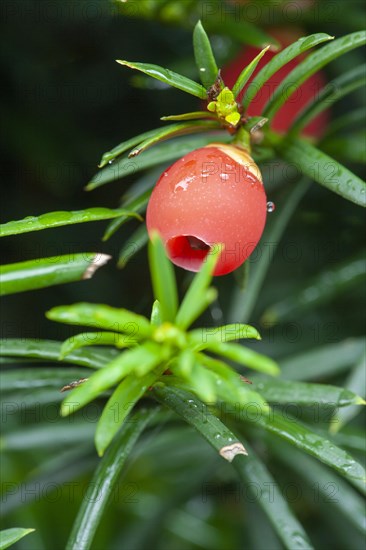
181, 186
271, 207
54, 217
111, 161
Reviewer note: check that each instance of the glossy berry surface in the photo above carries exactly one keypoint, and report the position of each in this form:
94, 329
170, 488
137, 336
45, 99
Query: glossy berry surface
212, 195
309, 90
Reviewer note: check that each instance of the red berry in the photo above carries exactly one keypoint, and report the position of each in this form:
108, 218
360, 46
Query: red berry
212, 195
295, 103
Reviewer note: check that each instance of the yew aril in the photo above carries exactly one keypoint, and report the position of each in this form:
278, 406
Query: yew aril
212, 196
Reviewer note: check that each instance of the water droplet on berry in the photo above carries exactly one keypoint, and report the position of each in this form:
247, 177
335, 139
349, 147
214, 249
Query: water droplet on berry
271, 207
182, 186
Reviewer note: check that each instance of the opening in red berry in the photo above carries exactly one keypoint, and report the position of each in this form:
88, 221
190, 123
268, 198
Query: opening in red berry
187, 251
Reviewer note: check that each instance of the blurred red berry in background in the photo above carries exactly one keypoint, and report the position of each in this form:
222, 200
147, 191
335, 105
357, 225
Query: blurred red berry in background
309, 90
